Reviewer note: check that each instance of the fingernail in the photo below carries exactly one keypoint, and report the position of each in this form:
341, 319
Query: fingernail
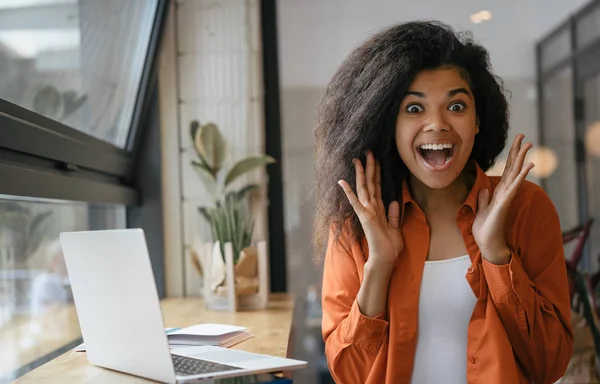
340, 183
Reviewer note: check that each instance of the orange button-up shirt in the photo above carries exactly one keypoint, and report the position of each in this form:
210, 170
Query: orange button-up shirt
520, 330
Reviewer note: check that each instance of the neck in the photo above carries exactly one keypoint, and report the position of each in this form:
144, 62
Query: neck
441, 201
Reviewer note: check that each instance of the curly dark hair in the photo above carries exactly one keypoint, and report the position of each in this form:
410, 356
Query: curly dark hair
359, 109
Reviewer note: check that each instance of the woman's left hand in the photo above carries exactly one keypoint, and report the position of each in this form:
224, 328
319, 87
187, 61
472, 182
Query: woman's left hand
488, 227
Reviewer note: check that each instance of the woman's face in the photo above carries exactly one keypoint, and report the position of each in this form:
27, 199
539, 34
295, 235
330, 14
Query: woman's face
436, 126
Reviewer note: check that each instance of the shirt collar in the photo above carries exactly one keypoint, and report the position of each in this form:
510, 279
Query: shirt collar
482, 181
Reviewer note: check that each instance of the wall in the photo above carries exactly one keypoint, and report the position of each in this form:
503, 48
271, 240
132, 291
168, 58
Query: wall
212, 51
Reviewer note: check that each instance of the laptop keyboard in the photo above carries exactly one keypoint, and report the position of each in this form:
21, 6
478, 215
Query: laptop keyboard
187, 366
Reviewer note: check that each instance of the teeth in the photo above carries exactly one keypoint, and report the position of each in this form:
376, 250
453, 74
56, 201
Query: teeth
437, 147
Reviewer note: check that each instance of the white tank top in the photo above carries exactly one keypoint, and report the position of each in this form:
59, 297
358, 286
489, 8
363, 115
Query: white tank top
446, 304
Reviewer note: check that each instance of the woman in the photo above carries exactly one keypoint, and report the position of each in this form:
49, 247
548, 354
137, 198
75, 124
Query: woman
434, 272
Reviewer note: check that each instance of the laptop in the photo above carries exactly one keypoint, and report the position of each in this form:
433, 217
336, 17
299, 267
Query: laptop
121, 320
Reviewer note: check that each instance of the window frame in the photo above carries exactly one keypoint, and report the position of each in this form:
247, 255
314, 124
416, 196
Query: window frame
42, 158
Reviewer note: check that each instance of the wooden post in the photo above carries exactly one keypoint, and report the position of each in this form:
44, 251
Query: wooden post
230, 278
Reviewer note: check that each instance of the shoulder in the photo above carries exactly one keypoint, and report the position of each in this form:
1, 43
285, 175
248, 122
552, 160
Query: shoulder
342, 237
345, 253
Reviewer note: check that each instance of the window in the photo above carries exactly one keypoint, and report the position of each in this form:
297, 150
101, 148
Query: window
78, 62
588, 26
559, 134
76, 91
37, 315
556, 49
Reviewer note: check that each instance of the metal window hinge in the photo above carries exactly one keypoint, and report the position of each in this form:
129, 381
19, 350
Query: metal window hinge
68, 167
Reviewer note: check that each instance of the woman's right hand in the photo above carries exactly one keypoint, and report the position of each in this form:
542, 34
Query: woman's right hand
382, 233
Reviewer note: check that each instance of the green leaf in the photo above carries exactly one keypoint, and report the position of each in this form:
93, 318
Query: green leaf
247, 165
194, 125
211, 146
208, 179
205, 213
248, 189
231, 222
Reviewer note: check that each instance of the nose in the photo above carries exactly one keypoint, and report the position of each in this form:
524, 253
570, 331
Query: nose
436, 123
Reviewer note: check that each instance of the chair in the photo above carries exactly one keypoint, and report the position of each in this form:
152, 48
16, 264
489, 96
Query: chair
581, 234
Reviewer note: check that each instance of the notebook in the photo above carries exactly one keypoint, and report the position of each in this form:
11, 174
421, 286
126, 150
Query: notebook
220, 335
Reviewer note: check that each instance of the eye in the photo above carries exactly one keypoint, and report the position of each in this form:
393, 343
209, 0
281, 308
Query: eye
457, 107
414, 108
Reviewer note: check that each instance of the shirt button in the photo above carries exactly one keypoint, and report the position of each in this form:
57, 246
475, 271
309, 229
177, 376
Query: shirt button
471, 359
376, 334
470, 270
469, 230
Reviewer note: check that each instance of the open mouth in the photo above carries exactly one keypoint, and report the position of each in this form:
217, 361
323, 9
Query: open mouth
437, 157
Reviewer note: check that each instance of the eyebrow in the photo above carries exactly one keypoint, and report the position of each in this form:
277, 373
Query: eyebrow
451, 93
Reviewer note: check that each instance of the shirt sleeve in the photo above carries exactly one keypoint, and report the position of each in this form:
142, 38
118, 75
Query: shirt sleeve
352, 340
531, 294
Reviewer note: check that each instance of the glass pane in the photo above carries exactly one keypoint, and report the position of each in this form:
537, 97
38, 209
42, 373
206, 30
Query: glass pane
76, 61
556, 49
588, 27
37, 315
304, 279
559, 135
592, 156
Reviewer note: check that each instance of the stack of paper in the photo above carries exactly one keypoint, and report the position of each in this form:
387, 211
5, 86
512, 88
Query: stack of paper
220, 335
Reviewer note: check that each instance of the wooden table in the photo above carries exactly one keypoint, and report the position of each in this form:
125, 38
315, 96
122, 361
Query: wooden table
271, 329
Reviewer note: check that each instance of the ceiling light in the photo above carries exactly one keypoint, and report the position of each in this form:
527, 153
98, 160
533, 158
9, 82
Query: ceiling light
481, 16
592, 139
545, 161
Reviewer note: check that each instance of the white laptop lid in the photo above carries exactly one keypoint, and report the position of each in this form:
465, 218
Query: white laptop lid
117, 302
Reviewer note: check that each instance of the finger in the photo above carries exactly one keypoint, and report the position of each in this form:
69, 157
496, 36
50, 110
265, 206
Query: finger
394, 214
516, 184
370, 174
356, 205
512, 154
378, 197
519, 161
377, 180
361, 187
483, 199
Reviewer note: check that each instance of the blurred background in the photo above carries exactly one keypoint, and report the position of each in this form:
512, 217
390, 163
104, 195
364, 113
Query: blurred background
97, 99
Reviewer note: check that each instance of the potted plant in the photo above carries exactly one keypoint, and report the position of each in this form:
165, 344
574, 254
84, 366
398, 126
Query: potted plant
231, 222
